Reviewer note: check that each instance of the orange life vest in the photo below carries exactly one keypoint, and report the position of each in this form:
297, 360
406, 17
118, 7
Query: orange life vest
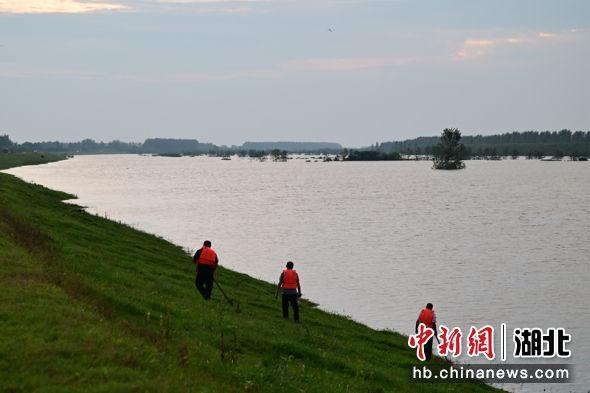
427, 318
207, 257
290, 279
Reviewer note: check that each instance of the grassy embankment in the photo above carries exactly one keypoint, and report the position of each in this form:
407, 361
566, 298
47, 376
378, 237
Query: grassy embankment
20, 159
88, 304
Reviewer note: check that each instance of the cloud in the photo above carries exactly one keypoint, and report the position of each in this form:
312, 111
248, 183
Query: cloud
297, 66
269, 73
480, 43
8, 70
346, 64
86, 6
339, 65
55, 6
210, 1
473, 48
470, 48
203, 6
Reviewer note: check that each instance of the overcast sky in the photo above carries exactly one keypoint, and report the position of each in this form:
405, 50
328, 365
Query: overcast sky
230, 71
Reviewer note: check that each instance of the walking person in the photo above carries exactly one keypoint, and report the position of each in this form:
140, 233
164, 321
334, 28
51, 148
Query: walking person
428, 318
291, 291
206, 260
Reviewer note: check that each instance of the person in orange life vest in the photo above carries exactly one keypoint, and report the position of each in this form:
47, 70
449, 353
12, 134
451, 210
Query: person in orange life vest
428, 318
291, 289
206, 260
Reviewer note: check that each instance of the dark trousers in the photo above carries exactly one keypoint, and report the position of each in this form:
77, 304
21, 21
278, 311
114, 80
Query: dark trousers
204, 280
428, 349
290, 299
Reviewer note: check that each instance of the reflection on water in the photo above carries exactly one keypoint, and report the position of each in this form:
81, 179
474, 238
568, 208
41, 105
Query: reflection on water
502, 241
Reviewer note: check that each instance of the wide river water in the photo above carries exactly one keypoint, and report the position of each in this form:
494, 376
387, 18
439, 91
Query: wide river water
501, 241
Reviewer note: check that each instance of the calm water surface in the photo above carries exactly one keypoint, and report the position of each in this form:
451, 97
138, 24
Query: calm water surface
502, 241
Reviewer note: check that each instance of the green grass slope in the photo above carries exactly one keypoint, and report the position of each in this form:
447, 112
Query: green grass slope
9, 160
87, 304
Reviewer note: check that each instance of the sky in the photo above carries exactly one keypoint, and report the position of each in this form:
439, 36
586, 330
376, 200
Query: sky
348, 71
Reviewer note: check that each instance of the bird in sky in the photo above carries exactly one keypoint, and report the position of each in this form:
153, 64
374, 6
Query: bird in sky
330, 30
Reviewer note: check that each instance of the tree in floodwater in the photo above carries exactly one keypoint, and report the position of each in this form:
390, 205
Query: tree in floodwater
260, 154
279, 155
449, 152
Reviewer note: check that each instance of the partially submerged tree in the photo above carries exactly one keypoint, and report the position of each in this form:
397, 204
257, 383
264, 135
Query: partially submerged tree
449, 152
371, 155
279, 155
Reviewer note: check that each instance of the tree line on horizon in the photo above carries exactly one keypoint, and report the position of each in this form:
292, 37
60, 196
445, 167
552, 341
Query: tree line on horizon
532, 144
167, 146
